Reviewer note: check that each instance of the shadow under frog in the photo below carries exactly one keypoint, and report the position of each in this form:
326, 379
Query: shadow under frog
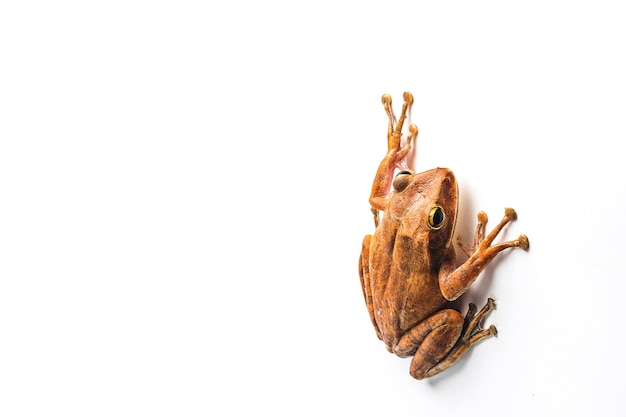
408, 266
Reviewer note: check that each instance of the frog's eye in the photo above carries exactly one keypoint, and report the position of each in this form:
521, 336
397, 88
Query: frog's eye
403, 178
436, 218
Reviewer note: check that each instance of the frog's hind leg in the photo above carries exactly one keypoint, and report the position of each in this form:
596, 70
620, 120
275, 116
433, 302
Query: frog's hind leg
431, 341
442, 339
365, 280
472, 334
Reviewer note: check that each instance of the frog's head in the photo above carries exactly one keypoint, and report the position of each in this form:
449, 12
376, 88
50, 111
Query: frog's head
427, 204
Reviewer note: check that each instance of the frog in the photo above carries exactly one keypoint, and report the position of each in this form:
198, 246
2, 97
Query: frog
408, 267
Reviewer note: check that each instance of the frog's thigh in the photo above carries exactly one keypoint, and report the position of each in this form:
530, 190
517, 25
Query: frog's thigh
430, 340
364, 273
364, 266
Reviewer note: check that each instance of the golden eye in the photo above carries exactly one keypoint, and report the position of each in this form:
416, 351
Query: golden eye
436, 218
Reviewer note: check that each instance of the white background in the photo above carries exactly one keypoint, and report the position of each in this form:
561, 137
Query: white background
183, 195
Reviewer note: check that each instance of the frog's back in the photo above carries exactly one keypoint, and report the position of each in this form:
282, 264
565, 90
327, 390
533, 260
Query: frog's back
405, 287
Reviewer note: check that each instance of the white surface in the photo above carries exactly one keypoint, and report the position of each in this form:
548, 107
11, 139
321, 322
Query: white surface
184, 192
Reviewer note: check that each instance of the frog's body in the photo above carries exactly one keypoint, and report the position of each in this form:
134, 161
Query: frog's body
405, 288
407, 267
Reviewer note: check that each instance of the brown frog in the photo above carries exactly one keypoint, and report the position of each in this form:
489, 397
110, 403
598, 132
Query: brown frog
408, 266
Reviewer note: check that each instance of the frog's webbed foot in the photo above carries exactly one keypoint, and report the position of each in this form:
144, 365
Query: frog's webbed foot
482, 244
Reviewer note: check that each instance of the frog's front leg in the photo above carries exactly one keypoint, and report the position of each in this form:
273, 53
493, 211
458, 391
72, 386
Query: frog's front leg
442, 339
454, 282
396, 154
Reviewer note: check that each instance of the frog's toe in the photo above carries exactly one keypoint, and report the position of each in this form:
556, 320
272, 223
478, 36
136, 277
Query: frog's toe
471, 311
523, 242
510, 214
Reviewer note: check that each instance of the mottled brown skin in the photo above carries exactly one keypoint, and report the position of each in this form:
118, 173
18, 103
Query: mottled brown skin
407, 267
